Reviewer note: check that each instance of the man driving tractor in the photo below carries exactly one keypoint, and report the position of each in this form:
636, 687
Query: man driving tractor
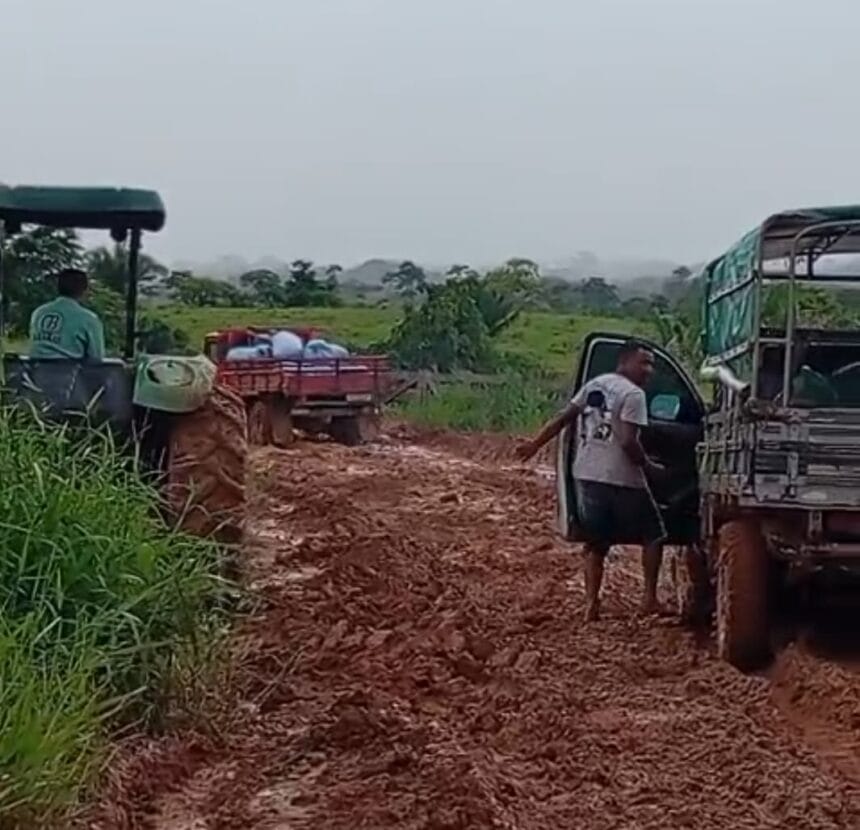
609, 470
63, 328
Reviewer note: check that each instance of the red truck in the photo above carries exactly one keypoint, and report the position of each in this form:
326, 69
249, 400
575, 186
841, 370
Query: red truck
340, 396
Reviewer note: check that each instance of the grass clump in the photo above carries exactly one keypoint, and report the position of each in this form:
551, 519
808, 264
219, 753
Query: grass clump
511, 403
101, 606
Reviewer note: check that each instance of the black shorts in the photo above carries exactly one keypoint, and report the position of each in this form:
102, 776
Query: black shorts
609, 514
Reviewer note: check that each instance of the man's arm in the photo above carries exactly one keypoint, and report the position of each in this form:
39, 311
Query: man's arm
628, 437
96, 341
549, 430
631, 418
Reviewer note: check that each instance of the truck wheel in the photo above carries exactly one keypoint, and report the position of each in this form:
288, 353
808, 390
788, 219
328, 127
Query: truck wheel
692, 586
369, 426
743, 630
280, 423
259, 424
346, 430
206, 468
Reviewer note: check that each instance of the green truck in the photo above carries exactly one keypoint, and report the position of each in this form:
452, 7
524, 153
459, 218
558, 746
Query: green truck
762, 495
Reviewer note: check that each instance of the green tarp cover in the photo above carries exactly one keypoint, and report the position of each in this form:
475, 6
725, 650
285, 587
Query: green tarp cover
83, 207
728, 323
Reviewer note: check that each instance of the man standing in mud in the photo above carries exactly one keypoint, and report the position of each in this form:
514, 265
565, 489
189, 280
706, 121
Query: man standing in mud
613, 501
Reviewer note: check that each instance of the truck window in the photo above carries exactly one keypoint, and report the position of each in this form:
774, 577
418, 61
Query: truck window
824, 374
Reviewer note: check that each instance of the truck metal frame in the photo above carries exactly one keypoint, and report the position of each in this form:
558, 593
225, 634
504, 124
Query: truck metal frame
763, 485
341, 396
778, 456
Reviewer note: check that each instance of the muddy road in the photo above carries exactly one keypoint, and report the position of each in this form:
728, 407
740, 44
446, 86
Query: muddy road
416, 660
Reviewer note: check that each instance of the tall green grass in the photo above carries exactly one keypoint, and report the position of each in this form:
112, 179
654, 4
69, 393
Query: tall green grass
514, 404
101, 606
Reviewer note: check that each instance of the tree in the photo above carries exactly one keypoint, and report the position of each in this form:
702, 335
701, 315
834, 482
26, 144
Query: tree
453, 328
187, 289
814, 308
556, 294
265, 287
518, 279
29, 259
332, 275
445, 332
680, 337
109, 267
409, 281
304, 289
599, 296
110, 307
637, 308
160, 338
459, 272
677, 285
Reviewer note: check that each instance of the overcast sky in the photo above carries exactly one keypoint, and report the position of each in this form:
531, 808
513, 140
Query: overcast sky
451, 130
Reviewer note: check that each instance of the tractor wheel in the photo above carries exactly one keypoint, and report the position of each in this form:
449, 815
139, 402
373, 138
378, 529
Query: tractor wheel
692, 587
743, 629
206, 470
259, 424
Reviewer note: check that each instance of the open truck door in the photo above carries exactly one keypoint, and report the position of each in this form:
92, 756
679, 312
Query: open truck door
675, 422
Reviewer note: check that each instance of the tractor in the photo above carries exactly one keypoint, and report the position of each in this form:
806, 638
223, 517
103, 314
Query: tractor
187, 430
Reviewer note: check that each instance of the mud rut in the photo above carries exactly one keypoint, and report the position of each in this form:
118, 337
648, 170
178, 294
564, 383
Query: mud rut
417, 661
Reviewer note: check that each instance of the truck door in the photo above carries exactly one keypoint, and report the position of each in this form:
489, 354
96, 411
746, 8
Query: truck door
675, 419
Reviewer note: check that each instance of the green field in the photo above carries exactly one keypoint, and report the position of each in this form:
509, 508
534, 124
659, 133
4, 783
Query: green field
554, 339
541, 339
551, 340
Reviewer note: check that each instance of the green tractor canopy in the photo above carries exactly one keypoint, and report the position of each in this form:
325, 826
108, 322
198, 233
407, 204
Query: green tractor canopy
122, 211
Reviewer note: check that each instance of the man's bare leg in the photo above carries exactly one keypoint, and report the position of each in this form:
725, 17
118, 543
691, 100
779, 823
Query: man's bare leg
652, 558
593, 581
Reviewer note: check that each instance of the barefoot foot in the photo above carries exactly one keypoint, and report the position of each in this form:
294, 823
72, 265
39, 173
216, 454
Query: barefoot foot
592, 612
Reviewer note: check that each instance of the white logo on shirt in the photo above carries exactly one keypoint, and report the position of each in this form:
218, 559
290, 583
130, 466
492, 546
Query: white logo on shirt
596, 417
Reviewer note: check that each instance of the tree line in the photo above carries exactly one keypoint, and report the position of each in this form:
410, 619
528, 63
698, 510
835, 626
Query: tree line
446, 323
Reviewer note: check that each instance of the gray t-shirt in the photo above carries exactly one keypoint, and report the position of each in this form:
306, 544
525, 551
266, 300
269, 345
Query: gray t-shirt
605, 400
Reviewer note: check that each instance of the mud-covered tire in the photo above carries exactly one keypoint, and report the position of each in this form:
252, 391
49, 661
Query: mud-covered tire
259, 424
206, 468
743, 618
692, 585
281, 423
369, 427
346, 430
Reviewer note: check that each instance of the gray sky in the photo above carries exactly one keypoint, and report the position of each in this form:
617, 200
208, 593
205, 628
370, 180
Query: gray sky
452, 130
